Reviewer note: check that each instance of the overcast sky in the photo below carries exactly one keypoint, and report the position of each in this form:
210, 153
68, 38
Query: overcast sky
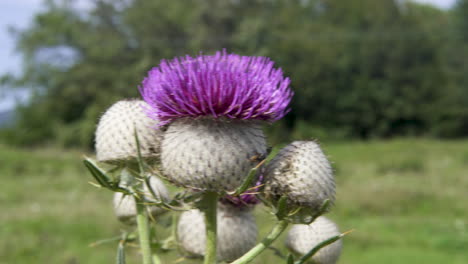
18, 13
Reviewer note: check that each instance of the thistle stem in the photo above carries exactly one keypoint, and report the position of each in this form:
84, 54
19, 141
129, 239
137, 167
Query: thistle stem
209, 207
143, 231
156, 259
266, 242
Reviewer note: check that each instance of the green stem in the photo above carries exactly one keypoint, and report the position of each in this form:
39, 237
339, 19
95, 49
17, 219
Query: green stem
156, 259
266, 242
143, 231
209, 206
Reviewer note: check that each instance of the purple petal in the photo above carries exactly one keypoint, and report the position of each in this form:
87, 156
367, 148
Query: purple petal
220, 85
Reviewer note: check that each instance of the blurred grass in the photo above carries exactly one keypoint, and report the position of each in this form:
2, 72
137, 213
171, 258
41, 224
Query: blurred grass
406, 200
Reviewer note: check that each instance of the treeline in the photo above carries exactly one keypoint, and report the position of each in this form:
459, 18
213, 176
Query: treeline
359, 68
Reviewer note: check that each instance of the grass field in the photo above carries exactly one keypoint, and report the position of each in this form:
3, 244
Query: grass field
406, 199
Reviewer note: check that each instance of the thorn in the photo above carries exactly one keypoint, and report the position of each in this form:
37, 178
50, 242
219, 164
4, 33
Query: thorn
260, 164
252, 193
95, 185
346, 233
255, 187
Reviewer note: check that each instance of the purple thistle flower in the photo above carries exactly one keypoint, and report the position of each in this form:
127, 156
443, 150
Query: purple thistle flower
220, 85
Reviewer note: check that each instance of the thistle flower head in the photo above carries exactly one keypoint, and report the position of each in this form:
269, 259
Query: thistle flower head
220, 85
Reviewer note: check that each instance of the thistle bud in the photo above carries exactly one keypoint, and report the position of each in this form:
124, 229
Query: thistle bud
115, 134
236, 232
301, 173
125, 206
302, 238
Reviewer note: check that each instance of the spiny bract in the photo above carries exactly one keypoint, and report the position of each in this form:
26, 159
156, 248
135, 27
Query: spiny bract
208, 154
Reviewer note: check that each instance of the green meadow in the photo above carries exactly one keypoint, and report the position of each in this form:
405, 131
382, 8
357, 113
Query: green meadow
407, 201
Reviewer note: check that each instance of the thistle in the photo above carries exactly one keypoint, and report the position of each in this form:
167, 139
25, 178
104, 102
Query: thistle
212, 108
237, 232
302, 238
125, 205
115, 134
213, 105
301, 173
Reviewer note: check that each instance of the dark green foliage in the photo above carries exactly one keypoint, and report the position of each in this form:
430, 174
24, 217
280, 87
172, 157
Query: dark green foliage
359, 68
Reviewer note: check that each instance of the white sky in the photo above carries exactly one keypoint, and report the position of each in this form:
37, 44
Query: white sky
439, 3
19, 13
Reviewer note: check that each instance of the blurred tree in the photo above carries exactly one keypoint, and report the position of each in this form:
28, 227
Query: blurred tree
455, 119
360, 68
